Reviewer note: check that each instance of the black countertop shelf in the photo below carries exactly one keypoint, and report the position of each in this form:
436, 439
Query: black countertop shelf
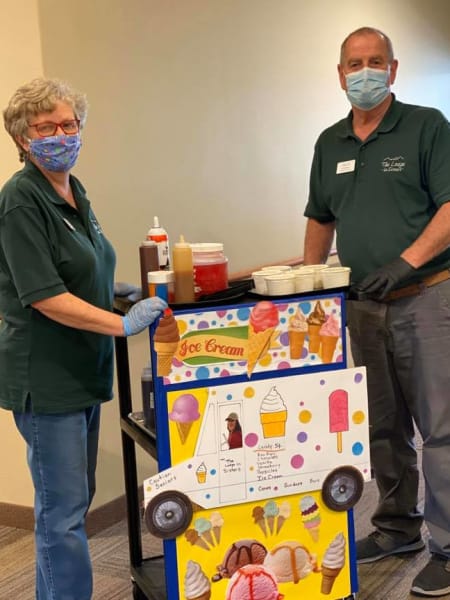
145, 439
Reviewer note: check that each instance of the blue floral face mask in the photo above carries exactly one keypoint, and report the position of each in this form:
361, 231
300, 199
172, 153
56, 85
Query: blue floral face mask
367, 88
57, 152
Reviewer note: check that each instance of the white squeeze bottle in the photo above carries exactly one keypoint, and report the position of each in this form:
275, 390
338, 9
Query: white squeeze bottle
159, 235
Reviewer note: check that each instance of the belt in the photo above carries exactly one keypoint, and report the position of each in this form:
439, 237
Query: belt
417, 288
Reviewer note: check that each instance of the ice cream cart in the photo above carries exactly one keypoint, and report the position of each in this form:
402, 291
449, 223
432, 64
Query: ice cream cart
262, 444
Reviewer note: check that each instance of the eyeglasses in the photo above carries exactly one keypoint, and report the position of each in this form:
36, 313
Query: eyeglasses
48, 128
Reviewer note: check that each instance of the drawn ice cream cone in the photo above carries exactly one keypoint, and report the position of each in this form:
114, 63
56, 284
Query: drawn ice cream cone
216, 531
271, 511
258, 345
201, 473
274, 424
314, 532
203, 528
273, 414
165, 352
193, 538
297, 330
329, 335
259, 518
217, 524
328, 347
333, 563
296, 343
197, 586
263, 320
315, 320
314, 338
208, 537
311, 516
328, 578
166, 340
284, 513
183, 430
280, 522
184, 412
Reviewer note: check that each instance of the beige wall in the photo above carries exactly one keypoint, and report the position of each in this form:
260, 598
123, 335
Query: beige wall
20, 51
205, 113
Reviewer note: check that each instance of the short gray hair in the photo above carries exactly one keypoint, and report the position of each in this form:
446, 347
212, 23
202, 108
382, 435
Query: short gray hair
39, 96
368, 31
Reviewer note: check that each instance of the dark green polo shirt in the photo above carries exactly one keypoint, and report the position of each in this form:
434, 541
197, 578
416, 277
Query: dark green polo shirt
382, 192
47, 248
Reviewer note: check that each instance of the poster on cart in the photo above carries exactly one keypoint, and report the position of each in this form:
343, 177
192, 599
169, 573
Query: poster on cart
264, 438
250, 339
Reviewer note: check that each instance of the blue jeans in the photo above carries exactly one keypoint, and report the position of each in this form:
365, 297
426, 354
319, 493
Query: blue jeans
62, 457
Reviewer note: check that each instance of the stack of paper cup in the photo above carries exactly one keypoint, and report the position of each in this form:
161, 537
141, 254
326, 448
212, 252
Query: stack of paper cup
279, 284
304, 279
259, 279
276, 268
318, 283
334, 277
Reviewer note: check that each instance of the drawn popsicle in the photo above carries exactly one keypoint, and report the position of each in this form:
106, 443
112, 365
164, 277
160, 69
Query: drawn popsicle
338, 414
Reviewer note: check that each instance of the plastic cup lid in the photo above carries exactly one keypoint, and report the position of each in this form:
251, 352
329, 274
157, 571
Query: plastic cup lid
160, 276
207, 247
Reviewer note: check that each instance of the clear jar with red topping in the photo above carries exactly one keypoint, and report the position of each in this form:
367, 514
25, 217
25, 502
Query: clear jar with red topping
210, 268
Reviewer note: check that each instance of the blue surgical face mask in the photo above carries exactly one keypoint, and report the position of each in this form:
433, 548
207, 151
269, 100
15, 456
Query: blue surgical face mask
57, 152
368, 87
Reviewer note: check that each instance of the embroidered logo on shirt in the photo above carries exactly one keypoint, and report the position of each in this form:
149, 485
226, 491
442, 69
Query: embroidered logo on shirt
96, 225
393, 165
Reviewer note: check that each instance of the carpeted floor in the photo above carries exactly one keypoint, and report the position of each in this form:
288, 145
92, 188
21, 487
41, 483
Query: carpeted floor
109, 551
389, 579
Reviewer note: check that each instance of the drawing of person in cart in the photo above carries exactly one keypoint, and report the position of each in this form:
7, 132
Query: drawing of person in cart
234, 439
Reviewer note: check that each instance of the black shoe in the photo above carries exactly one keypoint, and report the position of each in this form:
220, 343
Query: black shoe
434, 578
370, 549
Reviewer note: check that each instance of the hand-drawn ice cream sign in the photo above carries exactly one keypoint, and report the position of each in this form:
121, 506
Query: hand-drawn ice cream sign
288, 446
260, 567
267, 336
255, 572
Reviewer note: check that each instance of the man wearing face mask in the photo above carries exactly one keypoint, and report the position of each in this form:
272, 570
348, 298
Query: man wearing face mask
57, 326
380, 180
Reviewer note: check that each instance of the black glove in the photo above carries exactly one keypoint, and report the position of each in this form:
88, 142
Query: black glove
378, 284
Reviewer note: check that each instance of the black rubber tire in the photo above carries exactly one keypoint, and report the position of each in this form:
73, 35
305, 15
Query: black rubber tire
342, 488
168, 514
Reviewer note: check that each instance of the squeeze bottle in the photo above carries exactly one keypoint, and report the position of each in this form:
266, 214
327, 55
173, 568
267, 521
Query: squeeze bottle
184, 272
149, 261
159, 235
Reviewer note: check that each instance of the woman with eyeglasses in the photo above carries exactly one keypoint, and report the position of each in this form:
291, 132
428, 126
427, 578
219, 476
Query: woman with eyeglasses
57, 327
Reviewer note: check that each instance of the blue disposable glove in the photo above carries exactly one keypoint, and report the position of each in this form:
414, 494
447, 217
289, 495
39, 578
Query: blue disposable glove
128, 290
378, 284
142, 314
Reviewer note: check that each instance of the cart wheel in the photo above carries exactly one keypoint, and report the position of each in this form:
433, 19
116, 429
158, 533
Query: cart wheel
342, 488
168, 514
138, 594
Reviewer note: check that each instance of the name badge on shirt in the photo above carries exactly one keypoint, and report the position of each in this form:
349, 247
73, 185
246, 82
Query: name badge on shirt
346, 166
